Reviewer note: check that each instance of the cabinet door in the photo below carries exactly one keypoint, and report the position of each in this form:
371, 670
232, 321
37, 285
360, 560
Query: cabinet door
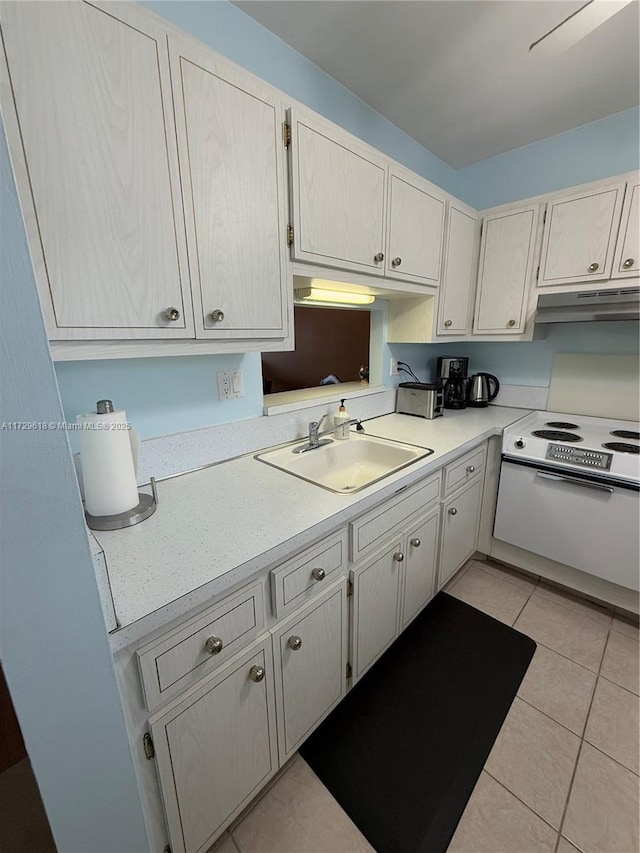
626, 262
94, 148
414, 230
216, 747
420, 566
505, 270
458, 278
579, 237
376, 590
460, 518
232, 165
310, 658
338, 188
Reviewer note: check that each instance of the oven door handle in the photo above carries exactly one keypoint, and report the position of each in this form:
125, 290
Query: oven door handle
587, 484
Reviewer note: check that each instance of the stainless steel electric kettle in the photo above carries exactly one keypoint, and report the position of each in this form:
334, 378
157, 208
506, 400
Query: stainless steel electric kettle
479, 392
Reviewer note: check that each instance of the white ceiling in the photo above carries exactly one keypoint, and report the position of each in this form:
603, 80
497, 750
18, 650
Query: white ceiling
457, 75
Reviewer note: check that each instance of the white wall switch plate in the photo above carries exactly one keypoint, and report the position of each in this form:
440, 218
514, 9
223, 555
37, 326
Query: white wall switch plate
230, 385
237, 385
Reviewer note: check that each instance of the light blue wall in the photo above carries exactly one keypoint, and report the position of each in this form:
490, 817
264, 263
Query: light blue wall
54, 647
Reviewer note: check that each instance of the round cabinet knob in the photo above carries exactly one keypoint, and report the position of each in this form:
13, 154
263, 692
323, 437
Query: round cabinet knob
448, 323
511, 323
216, 316
318, 574
453, 511
214, 645
396, 262
471, 469
256, 673
294, 643
628, 263
398, 556
171, 314
520, 442
416, 543
593, 267
379, 258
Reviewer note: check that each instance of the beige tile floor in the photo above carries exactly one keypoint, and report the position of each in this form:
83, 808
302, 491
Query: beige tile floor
563, 774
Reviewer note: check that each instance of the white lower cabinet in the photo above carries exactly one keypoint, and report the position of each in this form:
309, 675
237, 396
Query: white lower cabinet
215, 748
310, 666
420, 564
460, 519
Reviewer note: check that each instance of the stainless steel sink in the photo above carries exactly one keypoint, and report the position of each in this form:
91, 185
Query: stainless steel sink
345, 466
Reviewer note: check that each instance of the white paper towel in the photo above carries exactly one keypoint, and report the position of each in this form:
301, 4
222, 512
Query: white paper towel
108, 471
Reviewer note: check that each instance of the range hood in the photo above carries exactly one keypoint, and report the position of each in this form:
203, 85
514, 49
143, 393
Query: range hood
623, 304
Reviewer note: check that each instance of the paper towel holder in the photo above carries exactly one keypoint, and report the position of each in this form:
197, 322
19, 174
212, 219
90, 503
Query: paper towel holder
143, 509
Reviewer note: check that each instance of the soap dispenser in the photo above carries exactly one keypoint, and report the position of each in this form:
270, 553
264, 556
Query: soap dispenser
341, 423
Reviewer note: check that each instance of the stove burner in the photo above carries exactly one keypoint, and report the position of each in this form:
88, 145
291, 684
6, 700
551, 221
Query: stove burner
556, 435
622, 447
626, 433
562, 425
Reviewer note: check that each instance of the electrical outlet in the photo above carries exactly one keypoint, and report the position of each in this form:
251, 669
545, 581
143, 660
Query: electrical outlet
224, 385
394, 367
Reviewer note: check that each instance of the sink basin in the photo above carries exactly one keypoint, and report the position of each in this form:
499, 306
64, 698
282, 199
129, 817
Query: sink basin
345, 466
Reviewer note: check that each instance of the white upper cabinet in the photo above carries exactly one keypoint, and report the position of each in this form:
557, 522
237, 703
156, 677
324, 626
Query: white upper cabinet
232, 164
415, 229
505, 269
338, 188
626, 261
579, 236
458, 278
94, 150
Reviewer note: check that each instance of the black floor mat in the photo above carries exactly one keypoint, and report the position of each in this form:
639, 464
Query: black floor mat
404, 749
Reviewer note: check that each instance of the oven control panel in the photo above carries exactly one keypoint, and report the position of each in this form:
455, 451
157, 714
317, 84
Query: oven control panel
578, 456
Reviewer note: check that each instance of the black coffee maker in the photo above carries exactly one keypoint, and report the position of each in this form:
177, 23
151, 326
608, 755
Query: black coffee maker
452, 375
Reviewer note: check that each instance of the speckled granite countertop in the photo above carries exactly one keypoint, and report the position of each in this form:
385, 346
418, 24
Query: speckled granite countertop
216, 527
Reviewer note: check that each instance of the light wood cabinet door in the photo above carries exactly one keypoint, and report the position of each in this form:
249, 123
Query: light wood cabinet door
376, 592
626, 261
338, 189
458, 278
232, 163
216, 747
94, 149
310, 659
505, 271
415, 229
421, 555
459, 535
579, 237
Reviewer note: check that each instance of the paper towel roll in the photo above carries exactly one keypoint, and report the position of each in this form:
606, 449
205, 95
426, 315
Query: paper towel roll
108, 472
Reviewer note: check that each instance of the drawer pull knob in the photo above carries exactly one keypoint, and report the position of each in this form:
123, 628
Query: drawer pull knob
396, 262
453, 511
171, 314
628, 263
416, 543
398, 556
216, 316
214, 645
471, 469
318, 574
294, 643
379, 258
448, 323
593, 267
256, 673
511, 323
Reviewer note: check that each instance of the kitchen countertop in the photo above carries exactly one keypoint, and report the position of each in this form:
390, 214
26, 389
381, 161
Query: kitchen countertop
218, 526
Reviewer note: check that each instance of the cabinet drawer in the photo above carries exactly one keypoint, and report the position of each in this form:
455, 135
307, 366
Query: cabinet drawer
308, 573
465, 469
181, 657
370, 530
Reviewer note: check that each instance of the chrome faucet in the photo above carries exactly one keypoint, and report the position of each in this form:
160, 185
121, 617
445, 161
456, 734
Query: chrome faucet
315, 435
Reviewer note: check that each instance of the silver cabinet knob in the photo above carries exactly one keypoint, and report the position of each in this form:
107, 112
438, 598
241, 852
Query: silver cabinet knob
511, 323
448, 323
629, 263
398, 556
318, 574
216, 316
214, 645
294, 643
396, 262
453, 511
379, 258
416, 543
471, 469
171, 314
593, 267
256, 673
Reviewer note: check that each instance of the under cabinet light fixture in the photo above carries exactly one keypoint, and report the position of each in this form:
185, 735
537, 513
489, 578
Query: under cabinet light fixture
577, 25
309, 295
